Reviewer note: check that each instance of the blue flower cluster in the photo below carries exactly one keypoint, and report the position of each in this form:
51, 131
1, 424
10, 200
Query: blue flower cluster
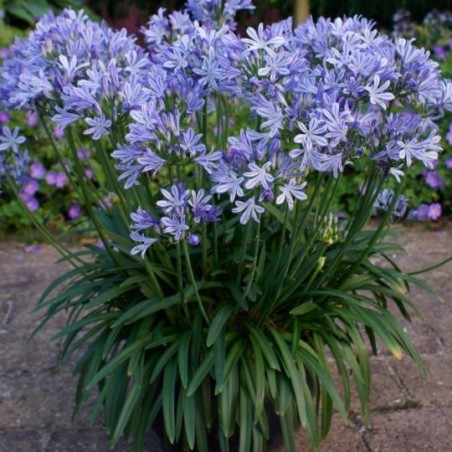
73, 68
317, 98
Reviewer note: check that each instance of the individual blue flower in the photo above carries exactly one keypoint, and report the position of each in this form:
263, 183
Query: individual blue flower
99, 126
290, 191
144, 220
175, 226
385, 199
210, 71
144, 243
272, 114
174, 202
64, 118
70, 67
258, 40
258, 176
228, 182
201, 210
150, 161
378, 94
10, 140
250, 210
311, 135
190, 142
209, 161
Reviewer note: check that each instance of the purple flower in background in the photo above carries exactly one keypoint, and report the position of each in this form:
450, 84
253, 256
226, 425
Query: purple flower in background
83, 153
61, 180
30, 187
32, 118
74, 211
449, 134
58, 133
449, 163
51, 177
30, 202
440, 52
434, 180
4, 53
58, 179
89, 173
37, 170
434, 211
4, 116
422, 212
33, 249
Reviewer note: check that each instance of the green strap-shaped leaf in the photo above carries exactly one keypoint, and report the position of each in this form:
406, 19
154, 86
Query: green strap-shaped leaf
264, 344
222, 315
189, 411
202, 372
168, 400
306, 411
126, 353
246, 420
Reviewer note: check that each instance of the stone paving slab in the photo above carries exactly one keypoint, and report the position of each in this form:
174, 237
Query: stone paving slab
409, 412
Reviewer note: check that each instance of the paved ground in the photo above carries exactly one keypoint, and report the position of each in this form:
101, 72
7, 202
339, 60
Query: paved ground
409, 412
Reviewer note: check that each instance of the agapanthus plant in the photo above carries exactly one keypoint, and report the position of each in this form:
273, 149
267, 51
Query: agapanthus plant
224, 280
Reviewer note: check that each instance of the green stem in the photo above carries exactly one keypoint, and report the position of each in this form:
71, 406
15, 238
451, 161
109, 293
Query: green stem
180, 283
113, 184
244, 246
373, 188
193, 281
87, 198
153, 278
282, 238
313, 235
378, 234
204, 250
254, 266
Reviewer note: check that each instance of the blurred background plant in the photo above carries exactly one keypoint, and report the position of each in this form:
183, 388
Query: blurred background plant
24, 13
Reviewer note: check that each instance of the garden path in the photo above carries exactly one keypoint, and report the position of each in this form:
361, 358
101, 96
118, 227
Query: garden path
409, 412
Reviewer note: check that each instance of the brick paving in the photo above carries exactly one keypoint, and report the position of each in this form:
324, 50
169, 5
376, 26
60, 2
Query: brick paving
409, 412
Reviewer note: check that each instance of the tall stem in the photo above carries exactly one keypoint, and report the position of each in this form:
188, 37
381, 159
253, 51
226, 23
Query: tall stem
87, 198
255, 260
193, 281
